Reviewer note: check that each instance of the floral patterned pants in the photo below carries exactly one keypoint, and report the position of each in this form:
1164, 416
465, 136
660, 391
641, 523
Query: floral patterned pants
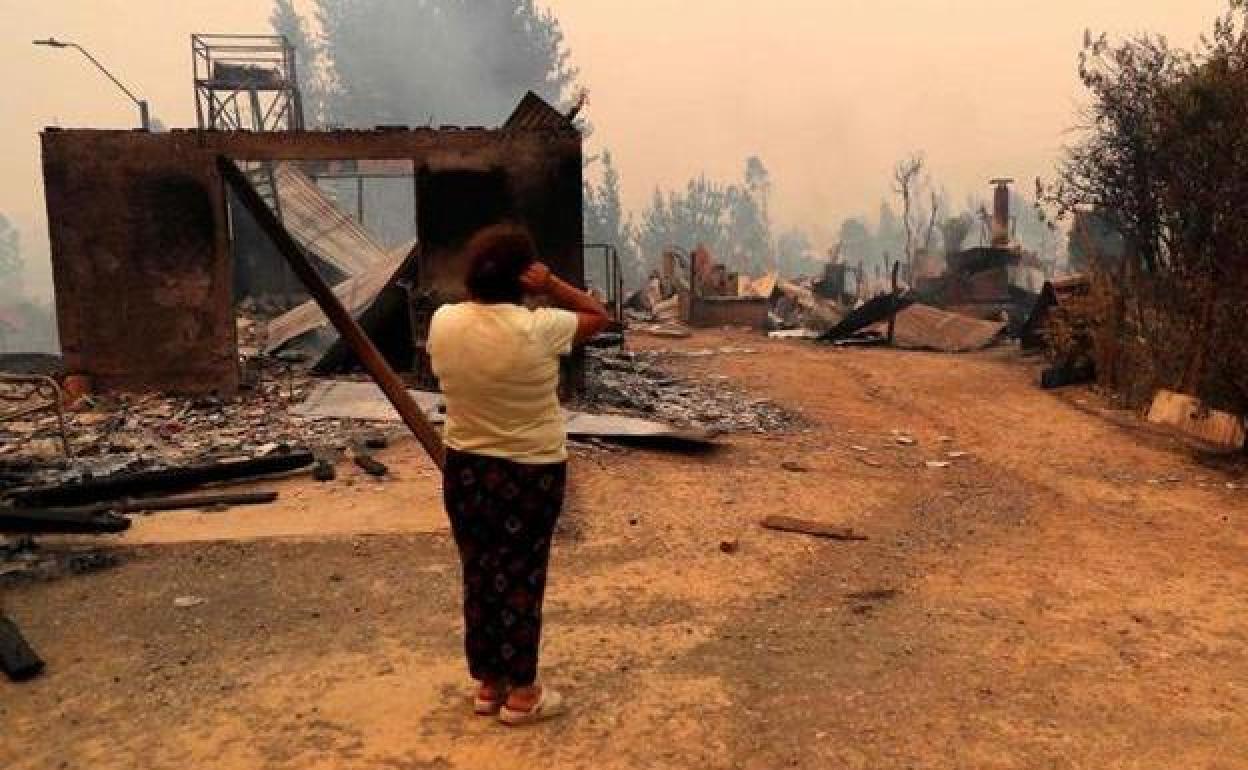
503, 517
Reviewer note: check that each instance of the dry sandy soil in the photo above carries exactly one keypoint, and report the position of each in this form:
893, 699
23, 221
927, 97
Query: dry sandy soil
1067, 595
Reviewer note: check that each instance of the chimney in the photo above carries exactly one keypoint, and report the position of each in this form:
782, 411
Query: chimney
1001, 213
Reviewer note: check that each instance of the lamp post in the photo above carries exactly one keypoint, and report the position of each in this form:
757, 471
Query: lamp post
144, 118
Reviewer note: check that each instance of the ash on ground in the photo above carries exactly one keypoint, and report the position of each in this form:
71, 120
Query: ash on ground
635, 384
134, 433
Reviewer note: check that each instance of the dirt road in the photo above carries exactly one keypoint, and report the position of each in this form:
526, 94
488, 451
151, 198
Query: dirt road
1067, 594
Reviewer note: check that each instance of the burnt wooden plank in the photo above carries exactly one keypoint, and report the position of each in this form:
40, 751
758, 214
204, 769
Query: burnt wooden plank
165, 480
808, 527
61, 521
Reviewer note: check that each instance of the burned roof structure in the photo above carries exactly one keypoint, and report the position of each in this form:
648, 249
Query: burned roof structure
141, 231
533, 112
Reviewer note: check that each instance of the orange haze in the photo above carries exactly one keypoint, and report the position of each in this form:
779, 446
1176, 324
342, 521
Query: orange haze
828, 92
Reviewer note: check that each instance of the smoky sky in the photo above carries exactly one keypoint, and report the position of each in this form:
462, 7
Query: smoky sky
830, 93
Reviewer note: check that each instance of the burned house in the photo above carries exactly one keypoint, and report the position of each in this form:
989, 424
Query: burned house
996, 281
142, 231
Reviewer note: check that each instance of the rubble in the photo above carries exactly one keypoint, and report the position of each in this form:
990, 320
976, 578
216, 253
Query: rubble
130, 433
634, 383
121, 486
794, 306
21, 558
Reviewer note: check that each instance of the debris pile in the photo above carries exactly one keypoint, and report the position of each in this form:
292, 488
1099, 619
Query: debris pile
21, 558
130, 433
634, 383
693, 289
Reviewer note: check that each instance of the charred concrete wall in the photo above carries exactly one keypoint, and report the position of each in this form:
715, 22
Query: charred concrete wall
140, 260
140, 236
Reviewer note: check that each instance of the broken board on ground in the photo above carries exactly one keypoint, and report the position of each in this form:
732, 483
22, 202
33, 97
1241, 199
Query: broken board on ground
364, 401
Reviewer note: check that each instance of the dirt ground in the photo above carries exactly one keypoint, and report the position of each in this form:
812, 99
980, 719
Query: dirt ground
1068, 594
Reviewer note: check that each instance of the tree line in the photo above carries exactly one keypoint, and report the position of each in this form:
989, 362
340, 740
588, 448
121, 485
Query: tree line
732, 219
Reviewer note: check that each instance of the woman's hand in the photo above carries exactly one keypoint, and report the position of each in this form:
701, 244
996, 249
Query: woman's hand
536, 280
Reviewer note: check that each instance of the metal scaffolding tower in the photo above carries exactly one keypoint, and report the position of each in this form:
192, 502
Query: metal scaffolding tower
246, 83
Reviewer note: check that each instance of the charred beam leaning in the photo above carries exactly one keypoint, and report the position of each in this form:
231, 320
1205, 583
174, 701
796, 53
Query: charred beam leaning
348, 329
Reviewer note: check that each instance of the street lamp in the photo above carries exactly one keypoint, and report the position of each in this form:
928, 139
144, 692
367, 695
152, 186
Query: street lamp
144, 117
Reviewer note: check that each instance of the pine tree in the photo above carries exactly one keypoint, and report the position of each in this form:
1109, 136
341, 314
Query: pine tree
286, 21
606, 222
464, 62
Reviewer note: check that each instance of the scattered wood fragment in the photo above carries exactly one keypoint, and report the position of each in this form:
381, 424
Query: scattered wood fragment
670, 331
100, 518
128, 485
808, 527
61, 521
324, 471
371, 466
17, 659
873, 595
192, 502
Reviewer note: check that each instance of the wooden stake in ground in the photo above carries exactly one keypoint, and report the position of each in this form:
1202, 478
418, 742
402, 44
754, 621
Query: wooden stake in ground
348, 329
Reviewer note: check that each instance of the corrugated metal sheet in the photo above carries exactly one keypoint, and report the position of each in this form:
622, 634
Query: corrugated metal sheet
533, 112
355, 294
320, 226
922, 327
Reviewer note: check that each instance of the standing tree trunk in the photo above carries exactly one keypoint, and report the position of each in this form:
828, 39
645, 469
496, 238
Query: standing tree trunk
892, 310
905, 178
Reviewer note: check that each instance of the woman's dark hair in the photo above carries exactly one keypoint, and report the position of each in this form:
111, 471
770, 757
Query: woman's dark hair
497, 256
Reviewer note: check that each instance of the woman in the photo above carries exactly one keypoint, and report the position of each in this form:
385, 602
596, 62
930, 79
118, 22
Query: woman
498, 365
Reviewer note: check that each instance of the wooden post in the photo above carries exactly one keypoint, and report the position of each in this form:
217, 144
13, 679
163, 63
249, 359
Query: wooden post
892, 310
350, 331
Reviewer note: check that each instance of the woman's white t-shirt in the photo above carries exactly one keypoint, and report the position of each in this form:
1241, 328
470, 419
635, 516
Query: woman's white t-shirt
498, 365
